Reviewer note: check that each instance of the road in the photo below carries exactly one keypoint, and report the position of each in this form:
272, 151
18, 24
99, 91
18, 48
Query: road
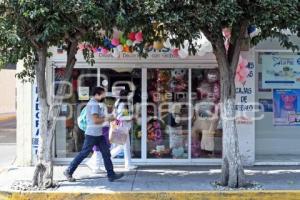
7, 143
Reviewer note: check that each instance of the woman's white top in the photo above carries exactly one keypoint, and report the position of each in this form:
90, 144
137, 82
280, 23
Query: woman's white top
122, 113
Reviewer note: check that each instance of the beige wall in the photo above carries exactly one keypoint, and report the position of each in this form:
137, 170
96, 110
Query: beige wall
7, 90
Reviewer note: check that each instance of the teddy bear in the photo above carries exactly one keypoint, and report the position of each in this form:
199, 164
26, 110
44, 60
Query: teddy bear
178, 82
206, 115
204, 122
163, 78
209, 88
174, 129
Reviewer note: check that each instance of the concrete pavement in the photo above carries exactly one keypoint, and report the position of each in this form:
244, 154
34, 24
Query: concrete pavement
155, 183
7, 141
156, 179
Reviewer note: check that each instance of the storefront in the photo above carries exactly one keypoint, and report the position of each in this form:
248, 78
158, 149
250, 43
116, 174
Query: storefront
171, 99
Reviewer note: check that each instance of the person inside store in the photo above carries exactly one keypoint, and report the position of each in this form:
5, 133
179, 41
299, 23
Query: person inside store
122, 114
95, 116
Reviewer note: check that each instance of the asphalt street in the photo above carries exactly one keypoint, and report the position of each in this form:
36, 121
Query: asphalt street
7, 143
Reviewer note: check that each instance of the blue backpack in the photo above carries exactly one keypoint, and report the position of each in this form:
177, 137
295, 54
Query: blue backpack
81, 120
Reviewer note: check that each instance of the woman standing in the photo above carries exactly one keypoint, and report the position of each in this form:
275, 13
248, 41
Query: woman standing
122, 113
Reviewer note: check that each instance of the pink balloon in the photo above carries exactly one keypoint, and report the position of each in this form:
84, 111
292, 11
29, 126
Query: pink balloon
104, 51
94, 49
175, 52
139, 37
131, 36
116, 34
115, 42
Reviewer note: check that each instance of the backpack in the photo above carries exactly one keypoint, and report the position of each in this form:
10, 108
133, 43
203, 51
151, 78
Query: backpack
81, 120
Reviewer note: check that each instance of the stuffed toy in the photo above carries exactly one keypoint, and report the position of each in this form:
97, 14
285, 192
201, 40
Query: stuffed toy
204, 90
163, 78
154, 131
178, 82
206, 124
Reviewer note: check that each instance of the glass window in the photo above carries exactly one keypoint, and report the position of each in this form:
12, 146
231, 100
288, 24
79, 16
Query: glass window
167, 113
69, 138
129, 79
206, 123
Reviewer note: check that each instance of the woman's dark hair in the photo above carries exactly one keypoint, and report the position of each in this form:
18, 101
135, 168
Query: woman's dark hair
98, 90
123, 95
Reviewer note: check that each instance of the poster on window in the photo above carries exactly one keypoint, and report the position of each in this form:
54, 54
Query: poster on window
281, 71
286, 107
83, 93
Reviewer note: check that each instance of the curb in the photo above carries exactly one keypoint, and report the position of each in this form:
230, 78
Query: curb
7, 117
207, 195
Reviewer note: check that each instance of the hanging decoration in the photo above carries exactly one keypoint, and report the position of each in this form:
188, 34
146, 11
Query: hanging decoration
242, 70
120, 43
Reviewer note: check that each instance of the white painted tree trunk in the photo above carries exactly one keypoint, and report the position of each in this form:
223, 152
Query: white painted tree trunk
232, 168
43, 174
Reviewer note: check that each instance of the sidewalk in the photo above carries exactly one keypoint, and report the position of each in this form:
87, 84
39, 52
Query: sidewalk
185, 182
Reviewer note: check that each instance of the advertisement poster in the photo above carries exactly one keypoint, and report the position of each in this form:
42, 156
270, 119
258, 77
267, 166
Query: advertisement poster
267, 105
83, 93
281, 71
286, 107
260, 87
115, 90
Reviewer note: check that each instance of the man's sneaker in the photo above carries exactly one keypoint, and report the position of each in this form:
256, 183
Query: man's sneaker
115, 177
69, 176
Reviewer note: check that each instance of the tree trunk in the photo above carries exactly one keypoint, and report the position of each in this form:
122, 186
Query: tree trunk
43, 174
232, 168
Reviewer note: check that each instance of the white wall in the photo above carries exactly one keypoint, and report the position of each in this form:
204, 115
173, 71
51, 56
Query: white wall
8, 91
24, 121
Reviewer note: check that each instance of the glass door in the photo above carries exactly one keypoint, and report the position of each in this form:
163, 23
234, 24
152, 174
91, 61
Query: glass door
167, 114
206, 130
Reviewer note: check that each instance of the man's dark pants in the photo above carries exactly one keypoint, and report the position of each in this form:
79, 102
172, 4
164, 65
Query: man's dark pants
87, 148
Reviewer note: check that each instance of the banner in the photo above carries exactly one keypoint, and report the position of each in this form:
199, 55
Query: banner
281, 71
286, 107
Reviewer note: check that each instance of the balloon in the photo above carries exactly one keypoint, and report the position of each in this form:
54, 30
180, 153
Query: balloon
183, 53
104, 51
131, 36
120, 48
126, 48
116, 34
115, 42
122, 40
129, 43
139, 37
106, 42
115, 53
158, 45
175, 52
167, 43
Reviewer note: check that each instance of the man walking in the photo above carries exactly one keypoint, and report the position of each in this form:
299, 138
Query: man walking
93, 136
